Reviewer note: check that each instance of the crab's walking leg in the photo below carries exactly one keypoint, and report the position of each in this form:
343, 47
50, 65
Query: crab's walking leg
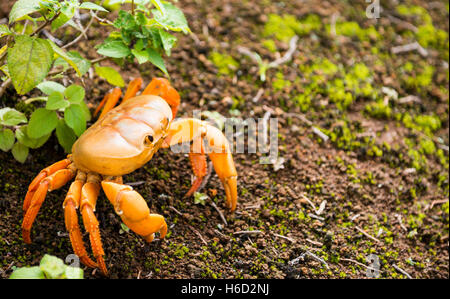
133, 210
217, 147
111, 101
52, 182
71, 204
132, 89
38, 179
161, 87
199, 165
89, 194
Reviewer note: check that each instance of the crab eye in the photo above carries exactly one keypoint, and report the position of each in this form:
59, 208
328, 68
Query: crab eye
148, 140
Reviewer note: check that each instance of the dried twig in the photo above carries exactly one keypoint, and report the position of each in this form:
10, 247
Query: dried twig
133, 184
321, 134
198, 234
402, 23
402, 271
367, 235
258, 95
248, 232
83, 32
284, 237
175, 210
220, 213
52, 38
314, 242
288, 56
360, 264
410, 47
310, 254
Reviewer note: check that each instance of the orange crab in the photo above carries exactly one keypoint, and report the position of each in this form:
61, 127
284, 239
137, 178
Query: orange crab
122, 140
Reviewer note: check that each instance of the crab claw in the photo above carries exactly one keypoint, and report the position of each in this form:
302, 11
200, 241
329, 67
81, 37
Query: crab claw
133, 210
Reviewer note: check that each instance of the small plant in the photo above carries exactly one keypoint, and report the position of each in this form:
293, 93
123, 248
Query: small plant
50, 267
143, 33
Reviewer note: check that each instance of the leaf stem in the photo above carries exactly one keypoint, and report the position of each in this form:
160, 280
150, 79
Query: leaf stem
45, 24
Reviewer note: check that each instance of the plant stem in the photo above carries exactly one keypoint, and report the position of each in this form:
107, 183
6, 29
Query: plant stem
45, 24
132, 7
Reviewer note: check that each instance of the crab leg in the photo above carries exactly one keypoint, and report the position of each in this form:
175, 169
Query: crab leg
133, 210
218, 149
89, 194
199, 166
50, 183
70, 205
38, 179
132, 89
161, 87
111, 101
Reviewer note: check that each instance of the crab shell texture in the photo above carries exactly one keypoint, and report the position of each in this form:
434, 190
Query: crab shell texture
125, 138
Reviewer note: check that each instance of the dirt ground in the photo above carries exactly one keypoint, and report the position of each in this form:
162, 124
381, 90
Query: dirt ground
336, 201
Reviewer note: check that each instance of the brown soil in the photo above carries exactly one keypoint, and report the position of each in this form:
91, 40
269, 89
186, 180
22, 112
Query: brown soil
199, 244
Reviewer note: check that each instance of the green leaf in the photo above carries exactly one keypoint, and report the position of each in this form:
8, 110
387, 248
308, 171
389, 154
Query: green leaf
73, 273
56, 101
67, 12
61, 53
74, 93
142, 56
20, 152
109, 74
115, 49
22, 136
159, 6
75, 119
168, 41
52, 266
200, 198
42, 122
156, 59
173, 18
28, 273
4, 30
6, 140
29, 62
49, 87
92, 6
66, 136
83, 64
22, 8
11, 117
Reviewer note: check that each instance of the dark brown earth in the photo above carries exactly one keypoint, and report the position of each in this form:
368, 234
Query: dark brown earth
401, 211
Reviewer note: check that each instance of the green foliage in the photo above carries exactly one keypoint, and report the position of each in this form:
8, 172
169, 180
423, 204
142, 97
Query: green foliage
109, 74
50, 267
29, 62
200, 198
65, 111
145, 34
30, 58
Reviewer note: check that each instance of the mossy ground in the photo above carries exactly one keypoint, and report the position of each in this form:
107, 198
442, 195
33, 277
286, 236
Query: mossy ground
384, 169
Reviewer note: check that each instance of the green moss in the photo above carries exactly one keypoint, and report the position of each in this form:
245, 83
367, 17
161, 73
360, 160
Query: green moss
225, 64
352, 29
378, 109
279, 83
427, 146
270, 45
285, 27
